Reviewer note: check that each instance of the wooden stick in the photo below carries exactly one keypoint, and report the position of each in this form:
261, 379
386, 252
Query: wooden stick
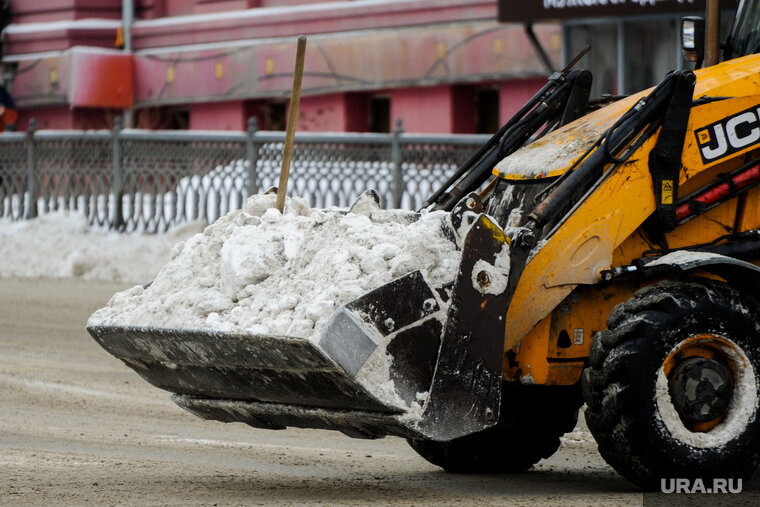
712, 38
295, 98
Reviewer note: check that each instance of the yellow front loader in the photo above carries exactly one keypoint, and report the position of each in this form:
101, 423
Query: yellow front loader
629, 238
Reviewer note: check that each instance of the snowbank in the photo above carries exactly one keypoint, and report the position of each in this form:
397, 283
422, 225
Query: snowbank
60, 245
258, 271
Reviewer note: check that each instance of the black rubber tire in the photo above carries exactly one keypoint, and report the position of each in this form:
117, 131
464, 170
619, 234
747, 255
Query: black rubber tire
532, 420
623, 411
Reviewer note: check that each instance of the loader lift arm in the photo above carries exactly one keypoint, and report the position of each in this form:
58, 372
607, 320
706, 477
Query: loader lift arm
561, 100
612, 147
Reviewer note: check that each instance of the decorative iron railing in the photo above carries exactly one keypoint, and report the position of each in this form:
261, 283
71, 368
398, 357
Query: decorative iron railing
148, 180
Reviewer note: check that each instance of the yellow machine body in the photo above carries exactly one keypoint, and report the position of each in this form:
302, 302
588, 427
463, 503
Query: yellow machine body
559, 305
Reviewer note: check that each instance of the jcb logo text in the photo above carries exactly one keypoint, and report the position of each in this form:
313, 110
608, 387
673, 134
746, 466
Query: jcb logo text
729, 135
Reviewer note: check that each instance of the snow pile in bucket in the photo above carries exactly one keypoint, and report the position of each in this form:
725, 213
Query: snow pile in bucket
262, 272
259, 271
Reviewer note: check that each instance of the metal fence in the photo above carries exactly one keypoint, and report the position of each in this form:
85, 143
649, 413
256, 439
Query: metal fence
145, 180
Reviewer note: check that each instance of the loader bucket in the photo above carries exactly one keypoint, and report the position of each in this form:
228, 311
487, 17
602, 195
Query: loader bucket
404, 359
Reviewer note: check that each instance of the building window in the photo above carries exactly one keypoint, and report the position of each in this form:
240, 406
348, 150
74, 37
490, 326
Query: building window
487, 111
602, 60
650, 52
163, 118
380, 114
275, 116
630, 54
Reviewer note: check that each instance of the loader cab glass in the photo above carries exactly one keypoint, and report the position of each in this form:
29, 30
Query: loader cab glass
693, 39
744, 38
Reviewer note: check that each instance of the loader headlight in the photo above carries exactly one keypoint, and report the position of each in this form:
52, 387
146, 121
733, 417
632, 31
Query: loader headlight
693, 39
687, 35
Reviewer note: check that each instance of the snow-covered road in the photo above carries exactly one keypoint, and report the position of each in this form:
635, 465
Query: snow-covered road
78, 427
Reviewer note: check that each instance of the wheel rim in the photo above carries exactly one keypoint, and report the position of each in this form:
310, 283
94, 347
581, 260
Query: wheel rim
706, 391
701, 390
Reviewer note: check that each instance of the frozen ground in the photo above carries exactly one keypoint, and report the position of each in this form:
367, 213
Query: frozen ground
77, 427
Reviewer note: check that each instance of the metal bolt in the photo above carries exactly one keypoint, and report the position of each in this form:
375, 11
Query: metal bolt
526, 238
483, 279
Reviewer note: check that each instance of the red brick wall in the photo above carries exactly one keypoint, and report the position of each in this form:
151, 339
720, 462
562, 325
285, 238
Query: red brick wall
515, 93
426, 109
37, 11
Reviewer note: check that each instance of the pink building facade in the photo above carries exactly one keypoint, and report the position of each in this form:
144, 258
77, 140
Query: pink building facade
441, 66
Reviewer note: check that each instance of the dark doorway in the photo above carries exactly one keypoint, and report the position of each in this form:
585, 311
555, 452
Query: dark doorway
163, 118
275, 117
487, 111
380, 114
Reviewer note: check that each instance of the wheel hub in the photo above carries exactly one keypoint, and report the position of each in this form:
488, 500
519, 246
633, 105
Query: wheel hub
700, 389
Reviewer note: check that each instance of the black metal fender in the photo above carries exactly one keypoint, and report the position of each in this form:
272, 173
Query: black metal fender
742, 275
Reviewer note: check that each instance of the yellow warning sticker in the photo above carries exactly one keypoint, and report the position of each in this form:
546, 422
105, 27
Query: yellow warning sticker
667, 192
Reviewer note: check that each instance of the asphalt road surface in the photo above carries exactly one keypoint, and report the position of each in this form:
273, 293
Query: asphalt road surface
77, 427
